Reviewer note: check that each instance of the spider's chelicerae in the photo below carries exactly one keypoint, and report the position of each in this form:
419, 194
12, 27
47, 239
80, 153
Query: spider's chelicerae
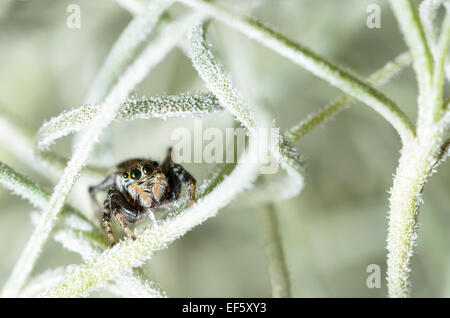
137, 186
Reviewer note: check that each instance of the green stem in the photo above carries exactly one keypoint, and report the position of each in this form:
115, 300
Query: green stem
313, 63
439, 75
416, 164
276, 261
134, 74
414, 35
378, 78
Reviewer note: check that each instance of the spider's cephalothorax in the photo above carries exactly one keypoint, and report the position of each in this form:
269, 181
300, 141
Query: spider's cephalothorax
138, 185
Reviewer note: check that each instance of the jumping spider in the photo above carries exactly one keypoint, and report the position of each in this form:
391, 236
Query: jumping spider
138, 185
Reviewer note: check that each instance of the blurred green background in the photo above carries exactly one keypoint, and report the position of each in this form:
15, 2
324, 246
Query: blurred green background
331, 232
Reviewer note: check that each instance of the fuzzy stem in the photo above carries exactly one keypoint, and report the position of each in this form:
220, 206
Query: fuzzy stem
313, 63
416, 164
427, 12
276, 261
133, 75
215, 79
414, 35
74, 231
122, 53
439, 74
378, 78
128, 254
183, 105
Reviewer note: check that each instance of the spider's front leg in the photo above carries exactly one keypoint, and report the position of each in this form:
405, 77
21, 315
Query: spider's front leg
177, 174
122, 211
102, 186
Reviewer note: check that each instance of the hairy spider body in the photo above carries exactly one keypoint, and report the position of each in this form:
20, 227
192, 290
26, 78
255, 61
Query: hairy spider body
137, 186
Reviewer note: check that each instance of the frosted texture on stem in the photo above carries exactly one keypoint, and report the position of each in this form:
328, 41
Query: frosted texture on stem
416, 164
377, 79
311, 62
428, 11
278, 272
128, 254
414, 35
123, 51
132, 76
218, 83
128, 284
442, 51
133, 108
74, 232
43, 281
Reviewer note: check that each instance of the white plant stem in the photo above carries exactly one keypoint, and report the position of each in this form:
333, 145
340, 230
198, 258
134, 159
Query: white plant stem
218, 83
143, 108
122, 53
128, 254
416, 164
132, 76
428, 11
276, 260
439, 74
419, 156
74, 231
377, 79
216, 80
311, 62
127, 284
43, 281
414, 35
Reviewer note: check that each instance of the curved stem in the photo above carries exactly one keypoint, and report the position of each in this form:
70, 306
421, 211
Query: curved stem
414, 35
122, 53
378, 78
418, 158
134, 74
313, 63
216, 80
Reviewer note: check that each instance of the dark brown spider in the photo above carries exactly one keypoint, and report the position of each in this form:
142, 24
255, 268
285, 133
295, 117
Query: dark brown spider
136, 187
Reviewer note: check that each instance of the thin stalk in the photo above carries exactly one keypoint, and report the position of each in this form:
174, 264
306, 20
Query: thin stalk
38, 197
377, 79
311, 62
427, 12
439, 74
183, 105
276, 260
122, 53
133, 75
416, 164
128, 254
414, 35
216, 80
74, 231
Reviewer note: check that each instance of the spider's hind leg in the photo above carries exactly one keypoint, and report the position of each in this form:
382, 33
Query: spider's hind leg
106, 222
176, 175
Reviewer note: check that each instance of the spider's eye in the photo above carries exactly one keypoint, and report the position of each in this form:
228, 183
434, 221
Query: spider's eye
125, 175
135, 174
147, 169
